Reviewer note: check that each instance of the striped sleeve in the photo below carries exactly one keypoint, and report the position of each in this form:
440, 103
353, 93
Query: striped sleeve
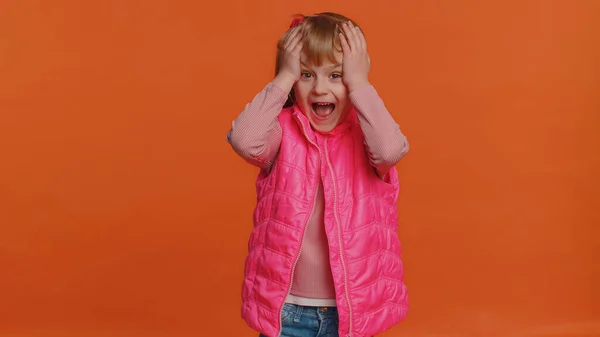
255, 134
385, 142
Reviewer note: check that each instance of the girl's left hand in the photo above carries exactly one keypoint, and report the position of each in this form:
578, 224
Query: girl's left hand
356, 62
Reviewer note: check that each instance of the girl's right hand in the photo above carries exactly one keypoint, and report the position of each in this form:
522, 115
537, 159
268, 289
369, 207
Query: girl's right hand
289, 71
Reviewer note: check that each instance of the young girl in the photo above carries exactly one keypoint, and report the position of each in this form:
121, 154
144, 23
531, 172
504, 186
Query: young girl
324, 255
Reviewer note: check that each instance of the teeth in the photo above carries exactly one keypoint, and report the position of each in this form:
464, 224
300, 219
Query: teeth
323, 109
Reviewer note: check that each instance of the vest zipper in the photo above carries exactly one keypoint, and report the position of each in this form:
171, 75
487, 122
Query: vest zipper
305, 227
339, 230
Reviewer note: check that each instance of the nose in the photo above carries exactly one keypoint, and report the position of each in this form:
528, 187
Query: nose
319, 86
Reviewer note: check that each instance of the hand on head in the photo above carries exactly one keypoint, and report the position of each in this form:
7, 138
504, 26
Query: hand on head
356, 62
292, 48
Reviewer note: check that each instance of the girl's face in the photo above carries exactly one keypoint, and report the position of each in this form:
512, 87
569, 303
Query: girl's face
321, 94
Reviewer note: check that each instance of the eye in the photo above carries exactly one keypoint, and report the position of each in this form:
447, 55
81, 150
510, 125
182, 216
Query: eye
306, 75
336, 76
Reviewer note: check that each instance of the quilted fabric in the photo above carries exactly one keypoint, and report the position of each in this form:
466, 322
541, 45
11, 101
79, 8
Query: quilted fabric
360, 222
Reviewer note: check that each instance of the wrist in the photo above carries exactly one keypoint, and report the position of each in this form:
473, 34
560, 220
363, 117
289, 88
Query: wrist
356, 85
285, 81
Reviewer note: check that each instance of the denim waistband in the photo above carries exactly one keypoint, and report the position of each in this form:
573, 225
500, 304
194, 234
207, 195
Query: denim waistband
317, 312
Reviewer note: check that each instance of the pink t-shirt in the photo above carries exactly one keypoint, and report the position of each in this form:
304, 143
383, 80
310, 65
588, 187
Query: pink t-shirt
256, 134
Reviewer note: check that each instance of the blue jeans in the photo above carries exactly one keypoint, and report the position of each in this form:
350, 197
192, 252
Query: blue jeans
300, 321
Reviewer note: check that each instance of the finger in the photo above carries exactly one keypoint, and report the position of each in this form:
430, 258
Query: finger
297, 48
291, 37
297, 40
293, 34
362, 38
355, 36
349, 37
345, 46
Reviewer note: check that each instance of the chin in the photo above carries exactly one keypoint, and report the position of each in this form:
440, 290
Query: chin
323, 124
323, 127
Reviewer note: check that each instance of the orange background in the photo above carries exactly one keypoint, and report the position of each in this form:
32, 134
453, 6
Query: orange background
124, 212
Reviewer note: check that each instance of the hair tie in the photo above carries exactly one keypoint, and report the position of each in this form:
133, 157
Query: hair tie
296, 21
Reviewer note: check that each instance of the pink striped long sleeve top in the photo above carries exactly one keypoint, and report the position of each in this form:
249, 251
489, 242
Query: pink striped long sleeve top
256, 134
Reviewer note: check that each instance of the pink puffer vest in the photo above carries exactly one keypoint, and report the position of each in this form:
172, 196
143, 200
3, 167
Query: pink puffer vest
360, 221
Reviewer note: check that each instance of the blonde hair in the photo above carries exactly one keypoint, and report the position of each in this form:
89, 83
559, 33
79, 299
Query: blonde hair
321, 41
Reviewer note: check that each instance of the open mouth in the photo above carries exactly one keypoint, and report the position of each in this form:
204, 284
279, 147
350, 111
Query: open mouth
323, 109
